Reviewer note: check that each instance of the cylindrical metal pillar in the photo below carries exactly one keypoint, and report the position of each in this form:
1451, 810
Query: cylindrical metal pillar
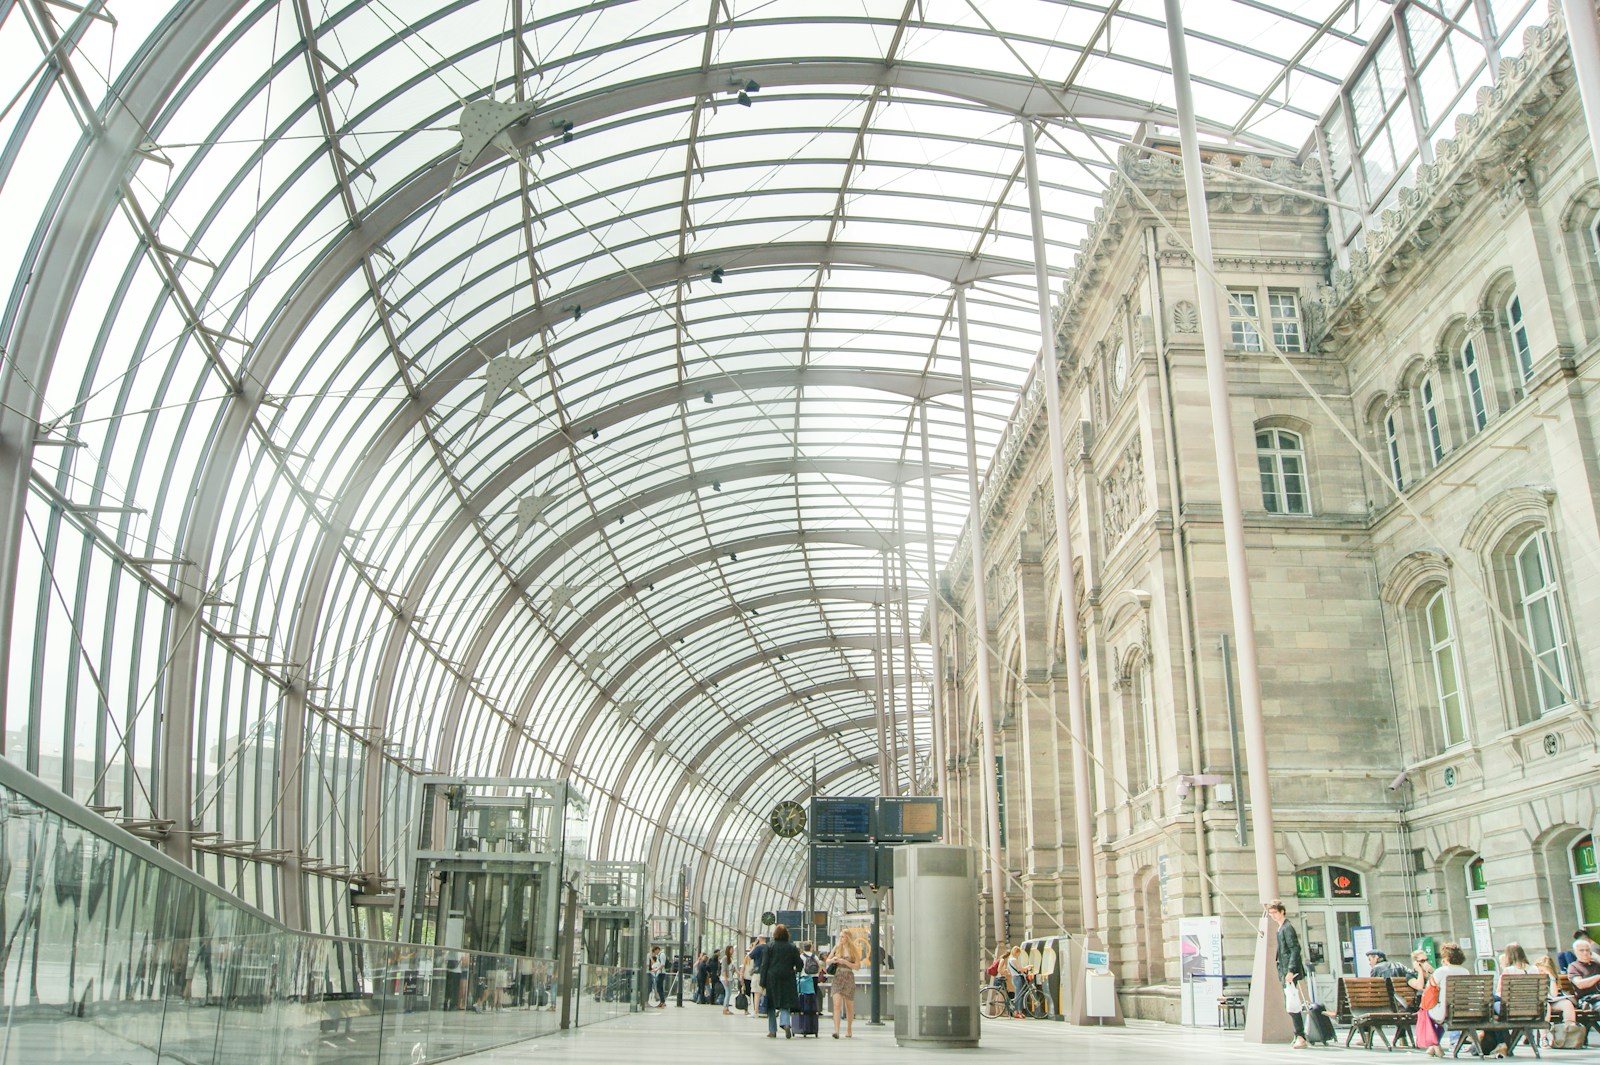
905, 637
987, 771
1263, 1022
885, 766
892, 785
941, 770
1066, 581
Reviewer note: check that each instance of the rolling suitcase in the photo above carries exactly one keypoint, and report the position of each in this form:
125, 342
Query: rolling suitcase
804, 1020
1319, 1027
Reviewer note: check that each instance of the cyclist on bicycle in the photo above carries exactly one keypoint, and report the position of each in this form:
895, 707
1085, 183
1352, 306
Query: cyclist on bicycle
1017, 975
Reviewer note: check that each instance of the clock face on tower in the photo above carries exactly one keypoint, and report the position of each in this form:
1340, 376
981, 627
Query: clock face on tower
1119, 368
788, 818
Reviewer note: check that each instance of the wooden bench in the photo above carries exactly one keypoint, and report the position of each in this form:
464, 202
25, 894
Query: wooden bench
1468, 1007
1524, 1009
1372, 1008
1589, 1018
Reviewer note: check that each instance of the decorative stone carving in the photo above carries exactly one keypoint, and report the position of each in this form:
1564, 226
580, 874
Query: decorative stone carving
1122, 493
1520, 189
1185, 317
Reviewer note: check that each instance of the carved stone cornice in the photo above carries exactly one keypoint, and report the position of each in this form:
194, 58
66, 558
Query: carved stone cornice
1487, 142
1400, 397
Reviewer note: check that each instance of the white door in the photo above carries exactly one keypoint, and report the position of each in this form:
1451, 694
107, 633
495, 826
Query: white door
1332, 930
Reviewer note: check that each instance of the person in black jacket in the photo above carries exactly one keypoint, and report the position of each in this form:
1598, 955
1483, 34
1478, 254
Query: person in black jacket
778, 971
1291, 967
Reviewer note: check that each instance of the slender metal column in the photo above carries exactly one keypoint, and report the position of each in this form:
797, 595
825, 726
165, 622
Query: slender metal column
1066, 581
887, 647
1266, 1020
986, 772
941, 769
885, 766
905, 637
1583, 37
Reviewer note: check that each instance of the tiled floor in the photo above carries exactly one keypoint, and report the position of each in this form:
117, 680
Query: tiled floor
693, 1036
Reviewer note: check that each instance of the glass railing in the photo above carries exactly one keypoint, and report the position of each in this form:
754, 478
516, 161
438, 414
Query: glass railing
608, 991
110, 951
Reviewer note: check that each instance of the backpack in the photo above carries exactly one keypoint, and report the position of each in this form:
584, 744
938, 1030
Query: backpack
812, 967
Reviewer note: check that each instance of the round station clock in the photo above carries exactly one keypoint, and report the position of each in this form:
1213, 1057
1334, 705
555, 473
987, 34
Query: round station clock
788, 818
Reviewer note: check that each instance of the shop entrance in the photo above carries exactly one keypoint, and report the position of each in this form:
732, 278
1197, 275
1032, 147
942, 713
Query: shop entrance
1332, 906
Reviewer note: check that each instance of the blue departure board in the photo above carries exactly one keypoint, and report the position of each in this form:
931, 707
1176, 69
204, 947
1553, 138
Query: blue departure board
847, 820
841, 865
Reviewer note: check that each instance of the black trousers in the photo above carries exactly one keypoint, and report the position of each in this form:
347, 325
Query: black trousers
1299, 1020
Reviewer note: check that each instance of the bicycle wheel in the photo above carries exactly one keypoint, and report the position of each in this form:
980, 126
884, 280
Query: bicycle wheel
1035, 1004
992, 1001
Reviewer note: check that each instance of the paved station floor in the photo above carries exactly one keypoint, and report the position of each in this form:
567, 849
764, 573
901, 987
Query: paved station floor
696, 1035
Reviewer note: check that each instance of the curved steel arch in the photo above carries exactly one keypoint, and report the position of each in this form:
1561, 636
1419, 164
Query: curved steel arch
868, 539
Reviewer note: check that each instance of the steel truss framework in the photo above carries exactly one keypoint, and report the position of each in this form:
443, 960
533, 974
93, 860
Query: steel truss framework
273, 542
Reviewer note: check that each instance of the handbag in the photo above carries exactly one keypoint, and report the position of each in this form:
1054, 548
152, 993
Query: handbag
1291, 998
1430, 996
807, 985
1424, 1033
1564, 1036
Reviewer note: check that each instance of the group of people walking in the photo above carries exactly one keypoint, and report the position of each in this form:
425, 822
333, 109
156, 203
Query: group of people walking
784, 981
1581, 966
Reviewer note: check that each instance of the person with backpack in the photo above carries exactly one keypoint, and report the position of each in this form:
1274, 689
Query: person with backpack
805, 1020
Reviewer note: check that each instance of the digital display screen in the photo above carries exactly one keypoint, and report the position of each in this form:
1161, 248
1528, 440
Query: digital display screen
916, 820
841, 865
844, 820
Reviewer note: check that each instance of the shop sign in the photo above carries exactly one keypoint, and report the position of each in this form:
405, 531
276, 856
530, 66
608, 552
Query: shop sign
1345, 883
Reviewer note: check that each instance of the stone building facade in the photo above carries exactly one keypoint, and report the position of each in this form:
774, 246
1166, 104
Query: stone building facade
1421, 486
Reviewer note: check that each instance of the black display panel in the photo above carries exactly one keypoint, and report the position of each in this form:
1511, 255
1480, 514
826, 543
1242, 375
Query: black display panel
841, 865
849, 820
883, 865
910, 820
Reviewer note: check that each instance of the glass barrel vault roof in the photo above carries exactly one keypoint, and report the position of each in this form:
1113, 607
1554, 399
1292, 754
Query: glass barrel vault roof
593, 463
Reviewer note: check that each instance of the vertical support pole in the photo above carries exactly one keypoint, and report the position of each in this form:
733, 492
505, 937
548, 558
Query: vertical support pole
980, 602
1066, 580
1266, 1020
905, 637
893, 783
941, 769
1583, 37
885, 766
683, 928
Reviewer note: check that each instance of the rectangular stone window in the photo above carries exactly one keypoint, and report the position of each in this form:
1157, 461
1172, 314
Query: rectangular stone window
1244, 320
1391, 439
1284, 309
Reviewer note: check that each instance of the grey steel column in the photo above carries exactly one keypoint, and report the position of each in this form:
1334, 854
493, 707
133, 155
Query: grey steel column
941, 771
1066, 581
905, 636
986, 772
885, 766
888, 670
1266, 1020
1583, 37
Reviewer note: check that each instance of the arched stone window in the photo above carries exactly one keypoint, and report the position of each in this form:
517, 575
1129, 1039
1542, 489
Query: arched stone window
1138, 724
1580, 227
1507, 343
1513, 533
1419, 588
1281, 461
1539, 600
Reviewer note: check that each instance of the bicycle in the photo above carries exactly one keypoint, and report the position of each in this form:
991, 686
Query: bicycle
993, 1001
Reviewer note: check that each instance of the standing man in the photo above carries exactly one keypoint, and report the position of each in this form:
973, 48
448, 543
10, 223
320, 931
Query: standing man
1291, 970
